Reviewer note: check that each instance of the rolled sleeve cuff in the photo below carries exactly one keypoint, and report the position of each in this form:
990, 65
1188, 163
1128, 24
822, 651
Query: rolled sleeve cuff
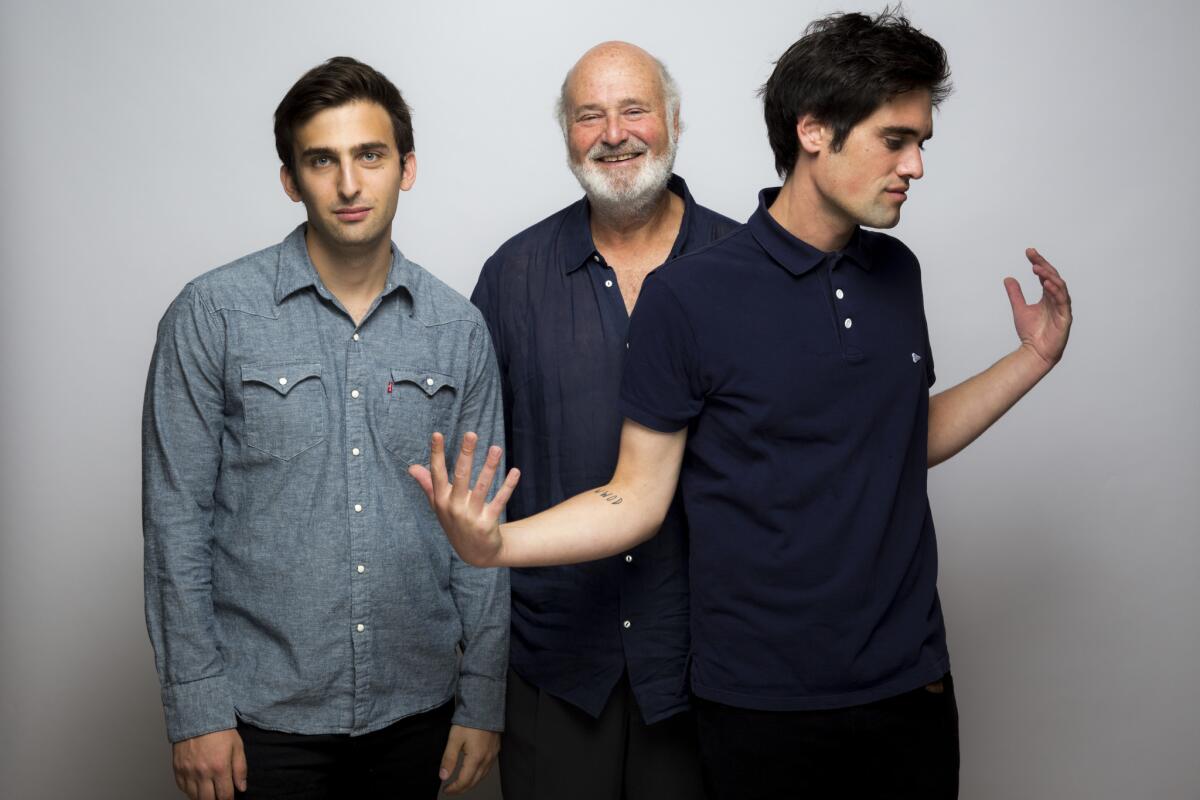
480, 703
198, 707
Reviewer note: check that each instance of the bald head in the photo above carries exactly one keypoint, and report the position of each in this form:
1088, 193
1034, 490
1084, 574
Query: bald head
609, 65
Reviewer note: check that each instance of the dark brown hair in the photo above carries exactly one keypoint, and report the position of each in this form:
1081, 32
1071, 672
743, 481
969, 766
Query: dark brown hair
841, 70
338, 81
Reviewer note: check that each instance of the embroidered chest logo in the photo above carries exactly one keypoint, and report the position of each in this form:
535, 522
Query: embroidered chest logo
916, 358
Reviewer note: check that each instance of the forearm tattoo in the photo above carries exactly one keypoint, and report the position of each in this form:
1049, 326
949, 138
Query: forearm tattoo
609, 497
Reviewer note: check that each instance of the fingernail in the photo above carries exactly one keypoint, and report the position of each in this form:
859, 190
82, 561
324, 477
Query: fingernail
443, 774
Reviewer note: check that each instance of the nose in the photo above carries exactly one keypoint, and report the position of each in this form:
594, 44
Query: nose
614, 130
912, 166
348, 186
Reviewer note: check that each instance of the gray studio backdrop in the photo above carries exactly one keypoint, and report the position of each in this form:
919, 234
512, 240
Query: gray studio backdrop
137, 153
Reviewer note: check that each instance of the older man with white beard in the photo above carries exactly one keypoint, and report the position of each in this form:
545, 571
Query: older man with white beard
597, 695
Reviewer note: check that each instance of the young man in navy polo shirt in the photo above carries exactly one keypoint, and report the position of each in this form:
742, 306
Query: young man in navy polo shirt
781, 375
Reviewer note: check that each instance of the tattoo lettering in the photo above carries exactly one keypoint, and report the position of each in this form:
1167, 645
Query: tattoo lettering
610, 497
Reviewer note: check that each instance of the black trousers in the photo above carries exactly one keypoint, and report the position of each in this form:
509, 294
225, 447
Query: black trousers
901, 747
553, 751
399, 761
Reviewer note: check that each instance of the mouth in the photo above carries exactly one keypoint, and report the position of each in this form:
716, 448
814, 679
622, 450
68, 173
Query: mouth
353, 214
897, 193
618, 158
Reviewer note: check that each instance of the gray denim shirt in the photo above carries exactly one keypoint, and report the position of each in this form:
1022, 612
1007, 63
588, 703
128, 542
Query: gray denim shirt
295, 576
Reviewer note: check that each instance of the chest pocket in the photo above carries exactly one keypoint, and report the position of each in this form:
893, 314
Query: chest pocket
284, 406
418, 403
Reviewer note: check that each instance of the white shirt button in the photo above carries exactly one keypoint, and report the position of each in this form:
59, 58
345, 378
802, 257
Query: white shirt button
354, 393
595, 258
429, 381
355, 337
360, 627
626, 624
840, 294
358, 508
354, 451
361, 569
849, 322
608, 284
628, 559
283, 381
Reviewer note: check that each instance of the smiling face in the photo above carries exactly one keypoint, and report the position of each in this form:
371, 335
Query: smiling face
349, 175
621, 135
867, 181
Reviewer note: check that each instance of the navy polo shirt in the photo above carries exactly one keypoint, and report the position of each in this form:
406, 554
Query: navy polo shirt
558, 323
803, 380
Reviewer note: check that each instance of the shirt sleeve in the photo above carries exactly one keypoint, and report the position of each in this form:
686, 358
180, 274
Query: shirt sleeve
661, 387
182, 422
481, 595
487, 298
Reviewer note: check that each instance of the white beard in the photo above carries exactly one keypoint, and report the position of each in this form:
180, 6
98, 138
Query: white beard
622, 195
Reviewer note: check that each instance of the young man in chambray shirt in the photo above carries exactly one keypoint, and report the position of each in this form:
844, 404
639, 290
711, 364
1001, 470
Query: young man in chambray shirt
305, 610
781, 376
597, 693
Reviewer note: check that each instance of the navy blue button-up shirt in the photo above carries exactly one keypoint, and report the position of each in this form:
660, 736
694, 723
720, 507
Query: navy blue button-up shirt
559, 323
295, 575
803, 380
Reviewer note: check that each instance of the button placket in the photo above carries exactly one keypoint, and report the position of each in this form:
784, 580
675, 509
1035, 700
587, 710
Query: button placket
359, 519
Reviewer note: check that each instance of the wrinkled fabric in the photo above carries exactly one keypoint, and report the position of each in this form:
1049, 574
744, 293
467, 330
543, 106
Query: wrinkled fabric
295, 575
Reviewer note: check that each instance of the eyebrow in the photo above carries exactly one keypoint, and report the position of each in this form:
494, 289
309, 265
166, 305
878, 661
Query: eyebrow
311, 152
902, 130
627, 101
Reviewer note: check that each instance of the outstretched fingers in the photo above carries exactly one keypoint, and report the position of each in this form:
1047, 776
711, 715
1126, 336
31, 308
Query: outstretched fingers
462, 468
484, 482
496, 507
437, 465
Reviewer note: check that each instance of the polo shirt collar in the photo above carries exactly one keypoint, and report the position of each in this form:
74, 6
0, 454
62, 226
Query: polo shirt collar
793, 254
296, 270
575, 235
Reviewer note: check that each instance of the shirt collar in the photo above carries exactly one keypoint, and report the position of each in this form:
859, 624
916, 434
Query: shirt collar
296, 270
793, 254
575, 236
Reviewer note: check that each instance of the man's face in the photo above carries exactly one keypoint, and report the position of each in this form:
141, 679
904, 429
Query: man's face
348, 174
866, 182
620, 142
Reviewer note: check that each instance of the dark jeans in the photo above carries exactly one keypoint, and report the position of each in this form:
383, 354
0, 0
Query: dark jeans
401, 760
554, 751
901, 747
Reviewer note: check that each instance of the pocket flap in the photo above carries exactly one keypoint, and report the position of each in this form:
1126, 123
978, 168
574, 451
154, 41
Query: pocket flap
430, 382
280, 377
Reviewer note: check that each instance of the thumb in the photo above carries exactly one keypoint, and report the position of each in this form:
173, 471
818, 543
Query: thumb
421, 475
239, 765
450, 757
1015, 296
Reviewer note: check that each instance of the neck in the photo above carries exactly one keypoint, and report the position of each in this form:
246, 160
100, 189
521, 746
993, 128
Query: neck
804, 212
352, 273
625, 225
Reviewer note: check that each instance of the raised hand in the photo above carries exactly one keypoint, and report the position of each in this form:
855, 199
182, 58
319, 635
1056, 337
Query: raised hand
471, 523
1044, 326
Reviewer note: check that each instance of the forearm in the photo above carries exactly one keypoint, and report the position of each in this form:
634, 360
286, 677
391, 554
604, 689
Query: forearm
960, 414
603, 521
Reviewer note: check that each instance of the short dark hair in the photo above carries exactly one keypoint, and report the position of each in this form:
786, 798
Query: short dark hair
841, 70
338, 81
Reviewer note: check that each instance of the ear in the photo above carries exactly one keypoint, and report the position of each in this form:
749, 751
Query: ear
813, 135
408, 175
290, 187
675, 122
